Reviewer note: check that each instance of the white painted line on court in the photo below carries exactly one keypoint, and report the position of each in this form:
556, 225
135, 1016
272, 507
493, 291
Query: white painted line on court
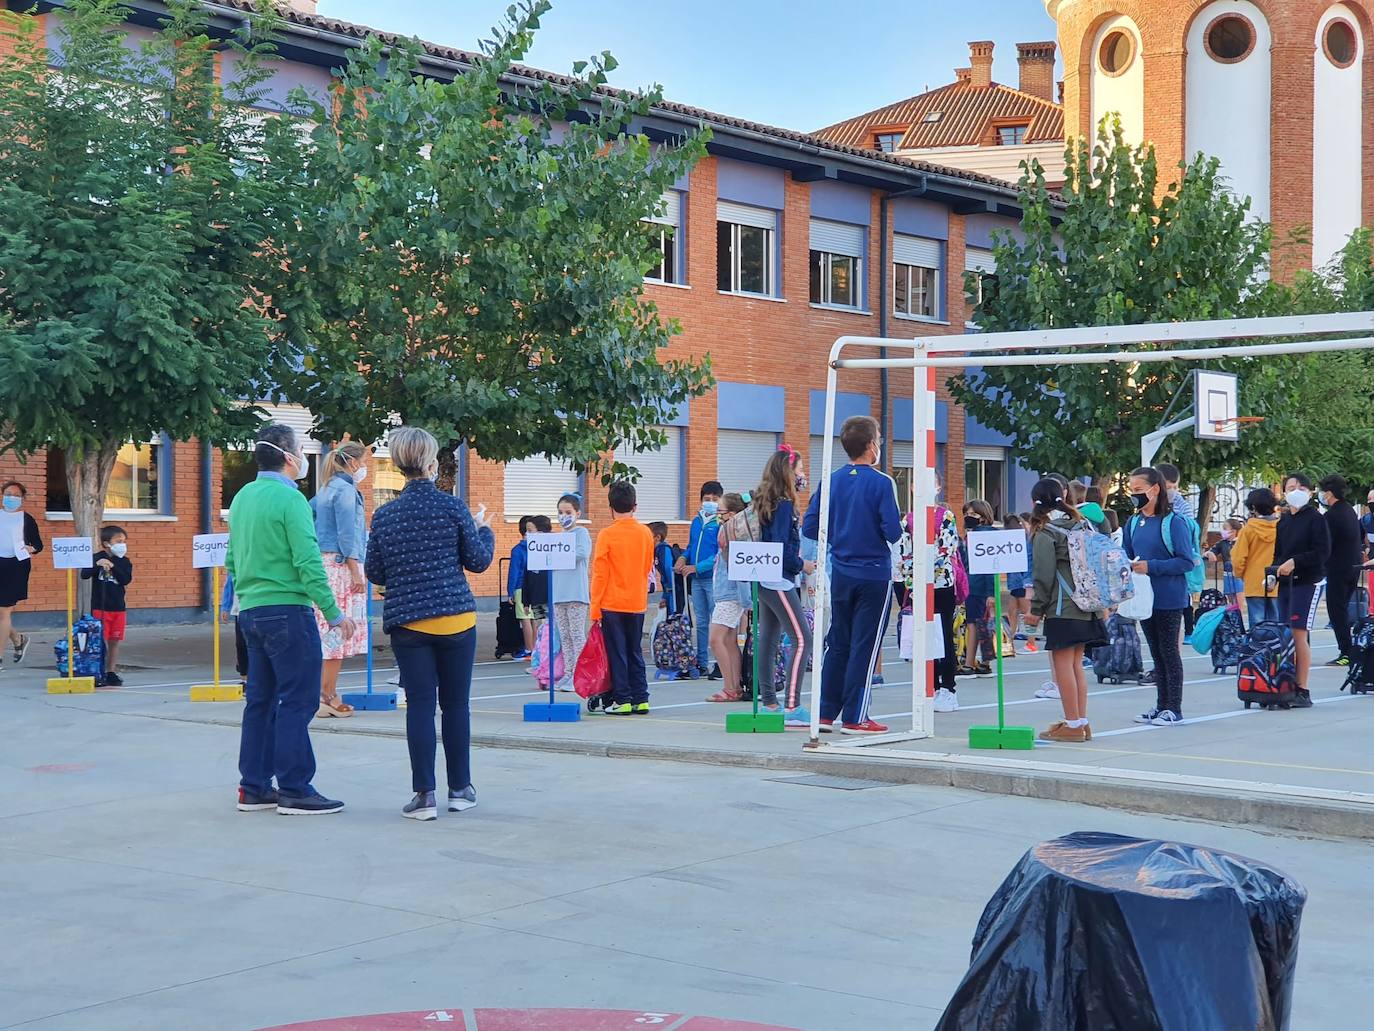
1229, 714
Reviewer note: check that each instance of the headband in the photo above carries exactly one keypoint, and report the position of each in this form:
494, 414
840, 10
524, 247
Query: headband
790, 452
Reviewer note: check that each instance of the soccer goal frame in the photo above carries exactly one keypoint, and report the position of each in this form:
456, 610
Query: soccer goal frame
1201, 341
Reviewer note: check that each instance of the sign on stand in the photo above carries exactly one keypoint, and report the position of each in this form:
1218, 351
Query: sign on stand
71, 554
993, 552
754, 564
552, 551
208, 551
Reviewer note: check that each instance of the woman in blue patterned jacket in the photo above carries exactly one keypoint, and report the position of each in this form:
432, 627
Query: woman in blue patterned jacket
421, 544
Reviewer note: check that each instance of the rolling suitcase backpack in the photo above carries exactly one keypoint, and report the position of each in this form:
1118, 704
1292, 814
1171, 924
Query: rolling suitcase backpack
1228, 643
1266, 675
510, 640
675, 653
1360, 678
88, 641
1119, 659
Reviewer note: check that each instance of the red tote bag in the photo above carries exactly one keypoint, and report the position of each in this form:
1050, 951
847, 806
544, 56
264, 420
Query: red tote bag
592, 676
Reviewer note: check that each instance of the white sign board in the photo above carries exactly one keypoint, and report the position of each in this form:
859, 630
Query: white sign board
208, 550
72, 553
998, 551
755, 562
552, 551
1215, 405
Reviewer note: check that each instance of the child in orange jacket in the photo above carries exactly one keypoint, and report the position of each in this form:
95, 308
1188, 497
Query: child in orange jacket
620, 577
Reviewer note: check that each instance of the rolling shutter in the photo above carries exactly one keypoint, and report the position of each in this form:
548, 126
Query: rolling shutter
659, 488
916, 250
837, 238
534, 485
815, 465
298, 418
669, 212
746, 215
741, 456
976, 259
901, 454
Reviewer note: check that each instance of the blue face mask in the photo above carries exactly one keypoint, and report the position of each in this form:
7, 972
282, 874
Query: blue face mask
12, 502
710, 508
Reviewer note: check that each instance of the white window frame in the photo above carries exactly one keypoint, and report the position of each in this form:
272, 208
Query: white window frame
667, 247
827, 298
765, 220
905, 272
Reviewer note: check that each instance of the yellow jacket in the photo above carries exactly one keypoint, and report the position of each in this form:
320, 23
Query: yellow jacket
1253, 553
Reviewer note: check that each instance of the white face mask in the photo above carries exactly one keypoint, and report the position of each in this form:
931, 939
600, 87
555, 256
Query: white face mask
566, 520
302, 470
360, 474
119, 550
1298, 498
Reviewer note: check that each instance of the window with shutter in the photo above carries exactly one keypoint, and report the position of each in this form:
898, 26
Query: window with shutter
741, 456
659, 488
534, 485
815, 467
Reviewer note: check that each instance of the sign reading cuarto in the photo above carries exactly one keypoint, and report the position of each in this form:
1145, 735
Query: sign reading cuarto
755, 562
998, 551
552, 551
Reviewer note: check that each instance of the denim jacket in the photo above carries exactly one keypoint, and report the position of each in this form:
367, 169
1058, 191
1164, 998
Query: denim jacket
339, 521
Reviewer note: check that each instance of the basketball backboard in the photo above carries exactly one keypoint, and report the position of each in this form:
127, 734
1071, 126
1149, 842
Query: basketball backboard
1215, 405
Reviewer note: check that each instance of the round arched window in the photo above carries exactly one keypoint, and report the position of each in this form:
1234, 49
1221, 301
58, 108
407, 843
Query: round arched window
1117, 52
1340, 43
1230, 38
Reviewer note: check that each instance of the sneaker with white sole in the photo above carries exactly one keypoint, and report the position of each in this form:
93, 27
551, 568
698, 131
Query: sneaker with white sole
1166, 718
797, 718
313, 804
421, 807
1148, 716
21, 648
866, 727
946, 700
252, 802
462, 801
1049, 689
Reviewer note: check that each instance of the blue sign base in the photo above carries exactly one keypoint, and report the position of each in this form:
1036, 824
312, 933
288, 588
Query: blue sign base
553, 712
378, 701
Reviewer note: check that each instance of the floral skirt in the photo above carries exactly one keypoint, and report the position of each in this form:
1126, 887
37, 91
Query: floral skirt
352, 602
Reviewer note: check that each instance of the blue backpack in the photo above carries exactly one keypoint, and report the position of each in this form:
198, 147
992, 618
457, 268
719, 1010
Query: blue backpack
88, 640
1100, 568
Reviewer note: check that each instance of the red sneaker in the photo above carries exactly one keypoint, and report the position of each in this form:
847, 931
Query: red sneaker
866, 727
827, 726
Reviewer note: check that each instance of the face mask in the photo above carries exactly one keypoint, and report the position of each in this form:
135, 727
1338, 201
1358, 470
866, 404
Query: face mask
1141, 500
12, 502
301, 468
1298, 498
802, 483
119, 550
360, 474
709, 508
877, 455
566, 520
971, 520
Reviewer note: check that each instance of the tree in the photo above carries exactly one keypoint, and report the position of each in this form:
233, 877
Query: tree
482, 275
1120, 251
144, 221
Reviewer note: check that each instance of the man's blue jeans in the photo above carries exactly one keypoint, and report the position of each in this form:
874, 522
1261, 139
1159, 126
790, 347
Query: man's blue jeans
281, 697
703, 601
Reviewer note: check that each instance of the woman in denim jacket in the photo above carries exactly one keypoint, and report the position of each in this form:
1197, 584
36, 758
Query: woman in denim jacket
341, 527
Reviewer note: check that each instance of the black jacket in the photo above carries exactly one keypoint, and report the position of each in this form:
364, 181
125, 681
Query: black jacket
1347, 542
1303, 537
107, 590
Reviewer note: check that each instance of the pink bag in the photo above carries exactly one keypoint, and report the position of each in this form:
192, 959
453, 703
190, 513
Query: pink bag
539, 665
592, 676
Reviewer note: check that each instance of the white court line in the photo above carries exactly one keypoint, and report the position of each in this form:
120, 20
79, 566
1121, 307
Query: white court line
1229, 714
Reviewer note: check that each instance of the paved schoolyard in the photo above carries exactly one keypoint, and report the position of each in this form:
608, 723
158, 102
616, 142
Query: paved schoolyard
133, 896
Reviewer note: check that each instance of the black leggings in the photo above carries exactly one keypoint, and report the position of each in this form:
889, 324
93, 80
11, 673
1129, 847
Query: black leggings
1161, 634
944, 608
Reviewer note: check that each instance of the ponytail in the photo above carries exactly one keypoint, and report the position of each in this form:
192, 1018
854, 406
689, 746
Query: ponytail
1047, 497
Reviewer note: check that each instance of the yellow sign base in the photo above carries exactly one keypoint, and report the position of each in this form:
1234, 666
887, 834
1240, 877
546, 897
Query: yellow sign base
71, 685
212, 693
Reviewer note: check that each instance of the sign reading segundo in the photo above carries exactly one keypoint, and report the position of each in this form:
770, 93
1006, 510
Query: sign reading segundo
552, 551
755, 562
72, 553
208, 550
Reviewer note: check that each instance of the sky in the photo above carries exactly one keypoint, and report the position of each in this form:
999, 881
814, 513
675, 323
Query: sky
800, 65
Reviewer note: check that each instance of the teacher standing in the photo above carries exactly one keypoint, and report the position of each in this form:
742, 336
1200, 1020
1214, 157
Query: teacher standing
341, 528
19, 542
422, 543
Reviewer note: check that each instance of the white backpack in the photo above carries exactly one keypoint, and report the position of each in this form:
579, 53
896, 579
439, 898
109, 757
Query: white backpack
1100, 568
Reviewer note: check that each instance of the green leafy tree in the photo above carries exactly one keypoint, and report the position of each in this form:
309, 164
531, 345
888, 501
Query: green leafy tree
1120, 251
480, 271
145, 219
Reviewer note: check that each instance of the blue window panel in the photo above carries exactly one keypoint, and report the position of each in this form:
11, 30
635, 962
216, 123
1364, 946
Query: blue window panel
284, 78
902, 416
919, 218
979, 229
749, 184
846, 406
841, 202
750, 406
682, 417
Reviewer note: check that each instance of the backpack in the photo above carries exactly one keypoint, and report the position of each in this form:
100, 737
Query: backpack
540, 661
1360, 679
744, 526
1197, 576
1211, 599
675, 651
1228, 641
88, 639
1099, 566
1119, 659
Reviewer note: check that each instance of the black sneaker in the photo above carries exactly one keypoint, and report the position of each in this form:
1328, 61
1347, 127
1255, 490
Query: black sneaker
421, 807
1148, 678
1302, 699
715, 673
1340, 660
250, 802
21, 649
112, 680
313, 804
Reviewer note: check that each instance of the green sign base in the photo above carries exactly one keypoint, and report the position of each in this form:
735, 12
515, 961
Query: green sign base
1022, 738
754, 723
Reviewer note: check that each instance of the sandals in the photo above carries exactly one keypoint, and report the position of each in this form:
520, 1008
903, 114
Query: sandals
726, 696
334, 706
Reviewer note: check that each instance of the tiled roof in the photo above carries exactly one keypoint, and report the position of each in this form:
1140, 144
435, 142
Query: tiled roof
965, 114
839, 148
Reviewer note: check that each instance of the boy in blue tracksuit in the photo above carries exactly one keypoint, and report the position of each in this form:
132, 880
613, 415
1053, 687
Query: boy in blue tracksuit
864, 524
699, 563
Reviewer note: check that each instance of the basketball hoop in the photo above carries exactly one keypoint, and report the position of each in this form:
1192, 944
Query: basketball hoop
1239, 423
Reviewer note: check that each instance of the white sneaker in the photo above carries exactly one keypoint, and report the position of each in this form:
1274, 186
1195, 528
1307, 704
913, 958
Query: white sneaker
1049, 689
564, 686
1167, 718
946, 700
1149, 716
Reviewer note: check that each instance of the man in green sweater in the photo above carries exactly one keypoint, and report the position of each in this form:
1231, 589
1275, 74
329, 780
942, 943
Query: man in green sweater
278, 573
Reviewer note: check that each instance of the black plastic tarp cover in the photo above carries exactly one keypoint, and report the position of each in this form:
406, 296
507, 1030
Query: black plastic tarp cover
1099, 931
